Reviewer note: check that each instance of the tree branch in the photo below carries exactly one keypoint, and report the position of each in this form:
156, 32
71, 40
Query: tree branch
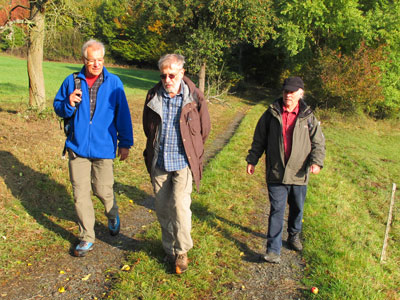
9, 24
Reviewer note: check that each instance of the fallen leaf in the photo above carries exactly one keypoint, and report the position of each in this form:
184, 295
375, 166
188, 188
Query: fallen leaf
62, 272
241, 254
125, 268
86, 277
61, 289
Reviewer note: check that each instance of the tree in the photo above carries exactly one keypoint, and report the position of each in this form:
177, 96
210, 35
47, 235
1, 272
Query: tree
36, 30
205, 30
131, 35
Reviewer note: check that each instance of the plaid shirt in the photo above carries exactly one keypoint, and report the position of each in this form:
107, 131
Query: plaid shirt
93, 93
172, 156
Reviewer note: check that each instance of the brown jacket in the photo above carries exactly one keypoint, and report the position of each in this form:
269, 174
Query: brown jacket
195, 126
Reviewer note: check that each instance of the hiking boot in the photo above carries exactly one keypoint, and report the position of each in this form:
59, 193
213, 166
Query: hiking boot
181, 263
294, 241
114, 225
83, 248
272, 257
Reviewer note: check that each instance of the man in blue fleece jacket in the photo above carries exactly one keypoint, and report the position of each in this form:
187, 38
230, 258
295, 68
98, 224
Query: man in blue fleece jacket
101, 124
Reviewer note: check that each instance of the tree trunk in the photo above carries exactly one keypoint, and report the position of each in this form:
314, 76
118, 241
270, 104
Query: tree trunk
37, 97
202, 77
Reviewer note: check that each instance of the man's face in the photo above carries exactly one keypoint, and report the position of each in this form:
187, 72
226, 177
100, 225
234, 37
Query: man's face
171, 77
291, 99
94, 61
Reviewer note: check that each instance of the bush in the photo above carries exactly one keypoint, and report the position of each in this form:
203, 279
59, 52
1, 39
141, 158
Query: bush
349, 83
12, 38
64, 45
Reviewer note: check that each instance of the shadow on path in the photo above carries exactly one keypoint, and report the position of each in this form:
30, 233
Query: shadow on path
45, 199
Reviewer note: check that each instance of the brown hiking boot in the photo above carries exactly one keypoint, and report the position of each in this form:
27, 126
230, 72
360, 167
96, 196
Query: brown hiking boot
181, 263
272, 257
294, 241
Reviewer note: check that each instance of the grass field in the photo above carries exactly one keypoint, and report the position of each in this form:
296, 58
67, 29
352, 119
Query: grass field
345, 214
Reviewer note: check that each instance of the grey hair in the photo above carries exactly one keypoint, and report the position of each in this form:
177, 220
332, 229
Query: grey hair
302, 94
92, 43
168, 59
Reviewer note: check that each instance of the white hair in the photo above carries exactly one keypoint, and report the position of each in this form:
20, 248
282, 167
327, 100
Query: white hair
92, 43
168, 59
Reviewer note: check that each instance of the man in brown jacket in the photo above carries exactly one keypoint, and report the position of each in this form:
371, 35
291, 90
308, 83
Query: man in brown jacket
176, 123
292, 139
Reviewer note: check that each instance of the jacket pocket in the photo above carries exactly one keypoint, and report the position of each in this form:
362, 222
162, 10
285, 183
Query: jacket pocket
193, 122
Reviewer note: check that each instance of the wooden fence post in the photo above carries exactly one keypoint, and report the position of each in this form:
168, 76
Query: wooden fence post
388, 224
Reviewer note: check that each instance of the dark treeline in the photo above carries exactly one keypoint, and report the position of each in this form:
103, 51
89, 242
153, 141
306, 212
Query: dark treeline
347, 51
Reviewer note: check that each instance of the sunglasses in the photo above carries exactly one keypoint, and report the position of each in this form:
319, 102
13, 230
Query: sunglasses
92, 61
170, 76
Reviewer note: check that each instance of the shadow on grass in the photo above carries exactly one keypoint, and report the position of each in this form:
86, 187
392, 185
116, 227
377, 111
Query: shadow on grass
139, 197
205, 215
48, 202
9, 111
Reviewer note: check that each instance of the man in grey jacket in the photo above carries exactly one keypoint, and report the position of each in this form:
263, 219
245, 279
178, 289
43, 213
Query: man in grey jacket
291, 137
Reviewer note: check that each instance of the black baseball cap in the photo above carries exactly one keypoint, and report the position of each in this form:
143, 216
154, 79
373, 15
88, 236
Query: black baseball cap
293, 84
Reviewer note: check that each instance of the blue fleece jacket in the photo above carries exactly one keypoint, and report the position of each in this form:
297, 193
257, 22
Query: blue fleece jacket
111, 122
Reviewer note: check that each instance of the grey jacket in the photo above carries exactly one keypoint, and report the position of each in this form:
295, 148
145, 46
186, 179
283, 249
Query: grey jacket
308, 145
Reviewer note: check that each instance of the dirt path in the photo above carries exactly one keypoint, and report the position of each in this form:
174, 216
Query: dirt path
91, 277
265, 280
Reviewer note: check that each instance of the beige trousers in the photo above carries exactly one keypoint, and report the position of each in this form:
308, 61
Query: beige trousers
172, 191
96, 175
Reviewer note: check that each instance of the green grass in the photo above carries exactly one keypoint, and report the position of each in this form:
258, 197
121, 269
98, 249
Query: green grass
346, 214
14, 79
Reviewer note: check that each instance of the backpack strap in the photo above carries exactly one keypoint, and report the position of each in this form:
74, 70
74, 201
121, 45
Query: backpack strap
77, 82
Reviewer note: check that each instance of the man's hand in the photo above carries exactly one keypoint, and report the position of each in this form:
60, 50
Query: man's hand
315, 169
250, 169
75, 97
123, 153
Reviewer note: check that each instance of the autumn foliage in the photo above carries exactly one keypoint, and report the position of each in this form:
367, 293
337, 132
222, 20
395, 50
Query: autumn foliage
349, 83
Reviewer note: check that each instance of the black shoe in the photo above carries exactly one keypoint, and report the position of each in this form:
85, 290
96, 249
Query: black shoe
114, 226
294, 241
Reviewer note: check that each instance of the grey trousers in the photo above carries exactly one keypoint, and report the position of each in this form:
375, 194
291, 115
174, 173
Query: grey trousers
96, 175
172, 191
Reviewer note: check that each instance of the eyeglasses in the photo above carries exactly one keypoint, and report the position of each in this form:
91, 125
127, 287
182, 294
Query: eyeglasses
92, 61
170, 76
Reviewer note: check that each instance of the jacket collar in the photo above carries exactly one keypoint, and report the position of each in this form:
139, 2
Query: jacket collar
155, 103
